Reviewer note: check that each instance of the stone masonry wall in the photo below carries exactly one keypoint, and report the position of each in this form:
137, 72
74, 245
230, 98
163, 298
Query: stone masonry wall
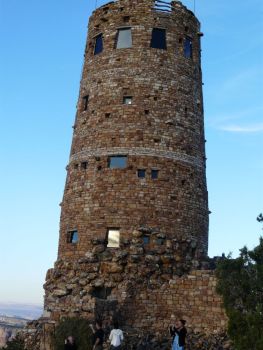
160, 269
161, 129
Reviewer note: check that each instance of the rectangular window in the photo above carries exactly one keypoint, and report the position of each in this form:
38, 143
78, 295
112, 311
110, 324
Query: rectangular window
188, 47
113, 238
98, 44
158, 38
84, 165
141, 173
117, 162
127, 100
146, 239
85, 100
124, 38
155, 174
73, 237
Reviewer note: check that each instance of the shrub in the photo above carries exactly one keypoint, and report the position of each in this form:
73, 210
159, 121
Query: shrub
76, 327
240, 282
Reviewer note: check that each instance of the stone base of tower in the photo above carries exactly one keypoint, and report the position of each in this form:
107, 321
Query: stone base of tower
145, 292
144, 306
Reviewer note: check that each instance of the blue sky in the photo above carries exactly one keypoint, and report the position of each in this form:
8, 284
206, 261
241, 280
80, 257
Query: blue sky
42, 45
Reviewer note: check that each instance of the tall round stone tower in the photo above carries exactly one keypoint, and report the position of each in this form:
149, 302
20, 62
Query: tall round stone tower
137, 160
134, 220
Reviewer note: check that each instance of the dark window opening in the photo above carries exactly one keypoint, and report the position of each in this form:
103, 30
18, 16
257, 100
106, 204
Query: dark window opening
158, 38
160, 241
113, 238
84, 165
183, 182
155, 174
99, 168
186, 29
85, 100
188, 48
127, 100
141, 173
126, 18
124, 38
101, 292
155, 98
73, 237
98, 44
76, 166
107, 115
117, 162
146, 239
146, 111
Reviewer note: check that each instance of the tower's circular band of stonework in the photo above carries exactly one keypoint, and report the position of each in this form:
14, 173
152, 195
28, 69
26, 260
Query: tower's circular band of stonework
136, 151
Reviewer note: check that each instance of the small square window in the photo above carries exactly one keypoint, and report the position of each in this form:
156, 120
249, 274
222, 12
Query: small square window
158, 38
155, 174
98, 44
85, 102
84, 165
141, 173
113, 238
73, 237
117, 162
127, 100
188, 48
124, 38
160, 241
146, 239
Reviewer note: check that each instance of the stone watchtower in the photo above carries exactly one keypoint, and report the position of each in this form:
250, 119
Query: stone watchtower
134, 220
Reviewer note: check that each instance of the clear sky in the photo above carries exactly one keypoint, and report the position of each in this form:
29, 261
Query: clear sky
42, 44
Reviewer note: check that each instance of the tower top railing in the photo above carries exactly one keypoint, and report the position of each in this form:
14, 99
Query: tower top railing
163, 6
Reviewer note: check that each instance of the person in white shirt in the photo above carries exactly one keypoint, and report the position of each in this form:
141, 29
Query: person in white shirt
116, 337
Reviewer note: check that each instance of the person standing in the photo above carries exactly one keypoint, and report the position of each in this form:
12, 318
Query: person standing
178, 332
98, 336
116, 337
70, 344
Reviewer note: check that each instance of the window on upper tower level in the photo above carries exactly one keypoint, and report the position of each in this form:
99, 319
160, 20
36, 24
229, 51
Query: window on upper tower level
98, 44
113, 238
85, 102
155, 174
127, 100
158, 38
117, 162
188, 47
124, 38
141, 173
73, 237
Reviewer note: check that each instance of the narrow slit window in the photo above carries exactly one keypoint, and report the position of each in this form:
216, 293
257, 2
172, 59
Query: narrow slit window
124, 38
84, 165
113, 238
98, 44
117, 162
73, 237
85, 101
155, 174
188, 48
141, 173
127, 100
158, 38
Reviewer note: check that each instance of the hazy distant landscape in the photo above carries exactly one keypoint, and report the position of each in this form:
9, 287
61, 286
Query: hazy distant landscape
14, 317
26, 311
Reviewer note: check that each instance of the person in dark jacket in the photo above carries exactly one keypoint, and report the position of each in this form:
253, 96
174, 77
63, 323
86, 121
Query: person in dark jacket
70, 344
178, 333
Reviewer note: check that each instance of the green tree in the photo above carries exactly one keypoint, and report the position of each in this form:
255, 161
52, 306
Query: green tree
240, 282
76, 327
